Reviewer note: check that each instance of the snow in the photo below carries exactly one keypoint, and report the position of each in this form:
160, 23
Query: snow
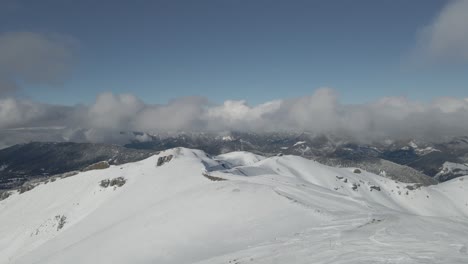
299, 143
228, 138
267, 210
413, 144
420, 151
240, 158
452, 169
451, 166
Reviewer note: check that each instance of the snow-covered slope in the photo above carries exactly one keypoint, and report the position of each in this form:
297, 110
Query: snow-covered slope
452, 170
234, 208
239, 158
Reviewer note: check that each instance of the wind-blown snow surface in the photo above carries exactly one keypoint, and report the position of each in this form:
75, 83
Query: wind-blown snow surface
267, 210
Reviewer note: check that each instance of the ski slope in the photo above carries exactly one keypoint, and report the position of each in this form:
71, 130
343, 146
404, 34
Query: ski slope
234, 208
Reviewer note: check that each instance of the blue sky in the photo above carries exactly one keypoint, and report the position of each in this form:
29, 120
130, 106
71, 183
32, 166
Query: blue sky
235, 49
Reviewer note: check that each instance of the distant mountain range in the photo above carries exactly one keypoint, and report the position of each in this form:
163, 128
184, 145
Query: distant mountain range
408, 161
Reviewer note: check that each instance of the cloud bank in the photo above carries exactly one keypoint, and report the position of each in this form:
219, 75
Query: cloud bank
320, 112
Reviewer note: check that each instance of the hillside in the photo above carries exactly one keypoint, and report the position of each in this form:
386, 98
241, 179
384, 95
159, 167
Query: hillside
234, 208
24, 162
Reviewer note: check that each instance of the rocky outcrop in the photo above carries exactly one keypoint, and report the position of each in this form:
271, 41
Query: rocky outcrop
97, 166
116, 182
163, 160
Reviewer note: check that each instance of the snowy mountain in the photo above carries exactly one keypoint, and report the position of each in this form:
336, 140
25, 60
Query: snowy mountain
405, 160
185, 206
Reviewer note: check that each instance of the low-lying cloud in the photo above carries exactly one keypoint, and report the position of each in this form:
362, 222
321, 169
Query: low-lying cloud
320, 112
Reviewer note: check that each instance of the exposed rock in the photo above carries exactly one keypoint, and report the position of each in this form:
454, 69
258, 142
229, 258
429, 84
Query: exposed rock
97, 166
119, 181
413, 187
4, 195
62, 220
116, 182
374, 187
26, 187
213, 178
67, 174
105, 183
343, 179
164, 159
357, 171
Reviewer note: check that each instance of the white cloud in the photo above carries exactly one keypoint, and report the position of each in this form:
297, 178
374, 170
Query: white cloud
114, 111
314, 112
446, 38
180, 114
33, 58
320, 112
234, 115
450, 104
15, 113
